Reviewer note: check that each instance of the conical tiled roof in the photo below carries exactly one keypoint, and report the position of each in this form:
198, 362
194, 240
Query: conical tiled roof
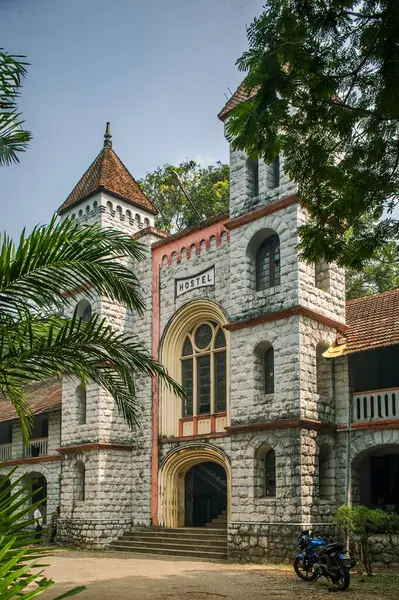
108, 173
240, 95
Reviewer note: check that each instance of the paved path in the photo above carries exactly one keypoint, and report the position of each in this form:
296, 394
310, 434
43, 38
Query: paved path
119, 576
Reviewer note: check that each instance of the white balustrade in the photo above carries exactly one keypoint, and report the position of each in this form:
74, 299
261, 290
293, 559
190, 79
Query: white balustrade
375, 405
5, 451
37, 447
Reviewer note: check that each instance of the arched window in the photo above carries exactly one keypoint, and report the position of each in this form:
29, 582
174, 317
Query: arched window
84, 311
80, 481
253, 177
269, 370
270, 473
81, 399
147, 222
275, 171
326, 474
203, 369
268, 263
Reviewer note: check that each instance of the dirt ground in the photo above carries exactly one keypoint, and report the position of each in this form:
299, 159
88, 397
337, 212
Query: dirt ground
119, 576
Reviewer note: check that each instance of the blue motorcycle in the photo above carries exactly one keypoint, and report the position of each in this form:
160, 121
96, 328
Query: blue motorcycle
318, 559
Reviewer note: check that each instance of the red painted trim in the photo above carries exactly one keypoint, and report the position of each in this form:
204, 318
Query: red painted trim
185, 239
189, 438
36, 459
190, 231
284, 314
281, 424
94, 446
155, 387
262, 212
372, 425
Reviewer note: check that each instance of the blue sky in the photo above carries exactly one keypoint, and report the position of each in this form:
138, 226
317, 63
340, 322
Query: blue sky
157, 70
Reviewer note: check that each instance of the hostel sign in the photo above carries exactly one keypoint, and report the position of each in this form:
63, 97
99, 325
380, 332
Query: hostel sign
203, 279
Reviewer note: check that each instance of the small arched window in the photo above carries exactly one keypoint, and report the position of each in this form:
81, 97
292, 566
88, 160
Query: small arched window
270, 473
84, 311
268, 263
147, 222
203, 368
80, 481
81, 398
269, 370
253, 177
326, 474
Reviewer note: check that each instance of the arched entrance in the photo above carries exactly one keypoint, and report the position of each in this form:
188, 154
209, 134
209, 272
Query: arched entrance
376, 478
38, 485
194, 487
205, 492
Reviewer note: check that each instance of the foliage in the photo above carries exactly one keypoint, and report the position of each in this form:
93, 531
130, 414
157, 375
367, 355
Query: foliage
379, 274
359, 524
38, 340
13, 138
17, 556
207, 188
324, 79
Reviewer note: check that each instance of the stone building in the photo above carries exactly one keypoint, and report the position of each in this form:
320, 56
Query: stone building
291, 393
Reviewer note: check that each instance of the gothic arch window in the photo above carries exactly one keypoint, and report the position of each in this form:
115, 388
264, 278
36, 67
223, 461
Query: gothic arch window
204, 370
81, 398
268, 370
80, 481
265, 472
268, 263
84, 310
147, 222
275, 171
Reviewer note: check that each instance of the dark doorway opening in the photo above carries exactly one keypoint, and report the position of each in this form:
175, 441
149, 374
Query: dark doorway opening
205, 494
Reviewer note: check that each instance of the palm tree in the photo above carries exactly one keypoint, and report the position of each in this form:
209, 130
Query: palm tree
13, 138
38, 340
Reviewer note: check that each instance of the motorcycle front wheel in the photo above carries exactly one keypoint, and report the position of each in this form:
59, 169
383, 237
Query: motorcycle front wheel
342, 580
304, 570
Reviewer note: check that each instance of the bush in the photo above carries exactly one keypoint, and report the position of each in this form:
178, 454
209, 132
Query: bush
359, 524
17, 535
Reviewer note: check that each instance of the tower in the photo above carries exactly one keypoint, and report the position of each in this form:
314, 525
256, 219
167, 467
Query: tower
100, 453
284, 314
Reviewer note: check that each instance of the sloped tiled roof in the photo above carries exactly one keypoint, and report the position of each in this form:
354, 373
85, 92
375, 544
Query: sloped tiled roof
43, 396
373, 322
108, 173
240, 95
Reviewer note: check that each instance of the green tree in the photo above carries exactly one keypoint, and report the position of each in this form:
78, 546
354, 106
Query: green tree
207, 188
13, 138
379, 274
38, 340
323, 80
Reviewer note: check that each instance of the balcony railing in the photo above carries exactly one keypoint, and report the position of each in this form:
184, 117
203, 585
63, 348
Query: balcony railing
5, 451
37, 447
375, 405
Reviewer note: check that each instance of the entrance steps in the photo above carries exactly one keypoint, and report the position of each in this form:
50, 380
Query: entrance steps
219, 523
209, 543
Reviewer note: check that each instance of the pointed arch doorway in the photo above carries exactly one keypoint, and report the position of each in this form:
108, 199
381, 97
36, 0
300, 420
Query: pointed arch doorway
194, 487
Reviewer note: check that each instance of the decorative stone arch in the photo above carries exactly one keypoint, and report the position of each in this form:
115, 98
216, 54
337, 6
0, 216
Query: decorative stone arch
171, 480
191, 314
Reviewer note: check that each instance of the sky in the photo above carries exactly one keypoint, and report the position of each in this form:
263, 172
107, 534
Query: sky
158, 70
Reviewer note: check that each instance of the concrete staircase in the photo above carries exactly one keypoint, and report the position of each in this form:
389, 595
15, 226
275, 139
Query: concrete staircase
209, 543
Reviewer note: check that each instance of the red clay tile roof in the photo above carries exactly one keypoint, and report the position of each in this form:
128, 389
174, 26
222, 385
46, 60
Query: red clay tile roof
108, 173
43, 396
373, 321
240, 95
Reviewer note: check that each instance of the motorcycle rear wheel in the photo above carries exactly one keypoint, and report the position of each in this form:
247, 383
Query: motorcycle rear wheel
342, 582
306, 573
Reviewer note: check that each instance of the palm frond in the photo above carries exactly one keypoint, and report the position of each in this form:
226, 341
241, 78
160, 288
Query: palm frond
40, 347
65, 256
13, 138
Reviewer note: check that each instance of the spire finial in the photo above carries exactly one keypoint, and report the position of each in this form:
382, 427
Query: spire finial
108, 136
